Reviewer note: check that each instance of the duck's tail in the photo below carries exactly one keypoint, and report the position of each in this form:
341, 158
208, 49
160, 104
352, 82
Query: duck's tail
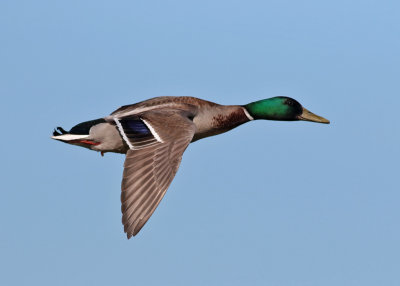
79, 131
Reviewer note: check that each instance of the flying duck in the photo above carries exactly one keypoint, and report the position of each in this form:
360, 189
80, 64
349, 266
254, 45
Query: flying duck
154, 134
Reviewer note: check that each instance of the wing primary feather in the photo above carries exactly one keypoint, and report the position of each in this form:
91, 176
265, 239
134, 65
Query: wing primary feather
132, 213
134, 216
126, 195
153, 199
137, 199
152, 208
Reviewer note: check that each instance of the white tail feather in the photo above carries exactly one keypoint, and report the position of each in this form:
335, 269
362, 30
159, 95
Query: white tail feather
69, 137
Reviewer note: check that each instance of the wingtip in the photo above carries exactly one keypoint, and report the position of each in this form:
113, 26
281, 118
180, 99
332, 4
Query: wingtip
132, 233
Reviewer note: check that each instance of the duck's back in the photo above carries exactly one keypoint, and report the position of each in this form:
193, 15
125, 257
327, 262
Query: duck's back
210, 118
163, 102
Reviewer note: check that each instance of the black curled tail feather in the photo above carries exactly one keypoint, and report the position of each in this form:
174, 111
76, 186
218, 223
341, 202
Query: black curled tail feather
60, 131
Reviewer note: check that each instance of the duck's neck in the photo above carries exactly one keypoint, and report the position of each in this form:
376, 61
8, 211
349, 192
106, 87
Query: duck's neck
229, 117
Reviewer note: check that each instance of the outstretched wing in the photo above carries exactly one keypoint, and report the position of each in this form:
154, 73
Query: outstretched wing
150, 168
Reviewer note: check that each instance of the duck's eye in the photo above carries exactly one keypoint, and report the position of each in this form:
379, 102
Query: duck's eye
290, 102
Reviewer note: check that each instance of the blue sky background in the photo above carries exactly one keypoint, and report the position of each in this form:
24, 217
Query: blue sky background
270, 203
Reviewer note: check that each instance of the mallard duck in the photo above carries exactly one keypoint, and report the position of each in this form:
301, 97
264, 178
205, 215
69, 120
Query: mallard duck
154, 134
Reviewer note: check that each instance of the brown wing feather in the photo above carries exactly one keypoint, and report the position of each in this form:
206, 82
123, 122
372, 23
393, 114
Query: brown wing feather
148, 172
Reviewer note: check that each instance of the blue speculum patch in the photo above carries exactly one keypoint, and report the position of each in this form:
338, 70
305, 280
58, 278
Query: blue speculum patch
135, 126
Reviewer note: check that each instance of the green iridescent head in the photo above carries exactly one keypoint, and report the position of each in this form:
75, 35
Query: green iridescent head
282, 109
